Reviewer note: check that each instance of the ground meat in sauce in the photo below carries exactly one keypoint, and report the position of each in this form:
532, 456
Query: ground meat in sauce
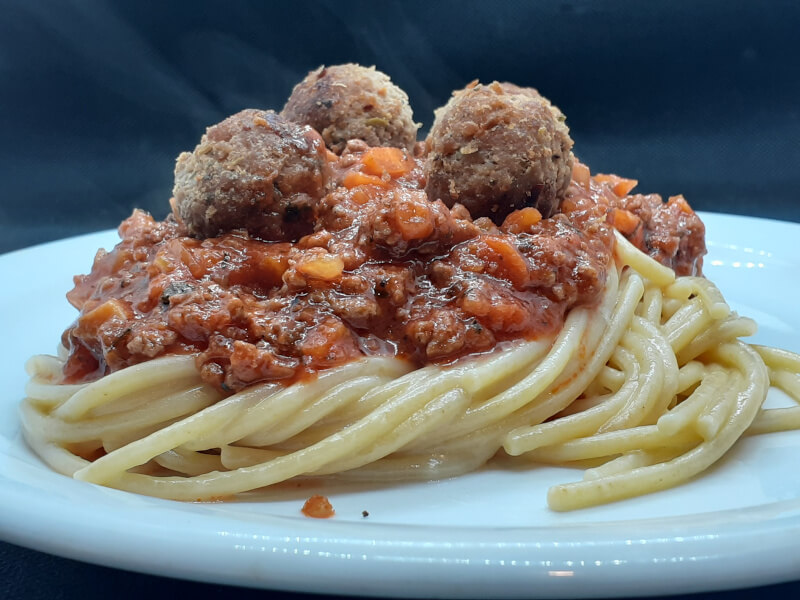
386, 272
670, 232
283, 259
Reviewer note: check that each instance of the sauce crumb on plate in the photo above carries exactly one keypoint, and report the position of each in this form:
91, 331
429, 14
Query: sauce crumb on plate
318, 507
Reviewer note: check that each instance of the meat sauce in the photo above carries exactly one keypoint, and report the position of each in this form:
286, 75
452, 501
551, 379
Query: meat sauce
385, 272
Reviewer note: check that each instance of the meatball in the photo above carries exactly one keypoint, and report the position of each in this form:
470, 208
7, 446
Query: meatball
497, 148
255, 170
346, 102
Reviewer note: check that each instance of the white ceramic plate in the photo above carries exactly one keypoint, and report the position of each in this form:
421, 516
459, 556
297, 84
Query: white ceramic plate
488, 534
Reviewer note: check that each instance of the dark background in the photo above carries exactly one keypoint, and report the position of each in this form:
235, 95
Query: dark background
98, 98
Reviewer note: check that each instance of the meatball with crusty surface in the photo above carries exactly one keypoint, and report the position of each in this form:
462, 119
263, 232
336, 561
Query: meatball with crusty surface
351, 102
497, 148
256, 171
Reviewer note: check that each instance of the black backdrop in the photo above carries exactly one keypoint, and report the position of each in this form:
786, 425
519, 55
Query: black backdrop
98, 98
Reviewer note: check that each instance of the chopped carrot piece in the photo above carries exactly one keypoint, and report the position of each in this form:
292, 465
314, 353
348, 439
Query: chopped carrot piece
393, 161
624, 187
162, 263
318, 507
521, 220
95, 318
356, 178
620, 185
272, 267
412, 216
581, 174
568, 205
681, 202
326, 267
624, 221
359, 196
509, 260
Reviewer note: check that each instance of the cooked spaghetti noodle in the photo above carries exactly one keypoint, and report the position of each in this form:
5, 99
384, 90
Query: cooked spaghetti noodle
653, 385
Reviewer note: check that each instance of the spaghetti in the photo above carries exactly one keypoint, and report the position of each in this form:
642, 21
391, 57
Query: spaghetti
653, 386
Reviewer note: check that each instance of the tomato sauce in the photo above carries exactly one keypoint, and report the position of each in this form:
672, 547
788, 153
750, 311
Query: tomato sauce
385, 272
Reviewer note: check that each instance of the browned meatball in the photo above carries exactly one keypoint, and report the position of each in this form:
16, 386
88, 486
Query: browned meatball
347, 102
255, 170
496, 148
